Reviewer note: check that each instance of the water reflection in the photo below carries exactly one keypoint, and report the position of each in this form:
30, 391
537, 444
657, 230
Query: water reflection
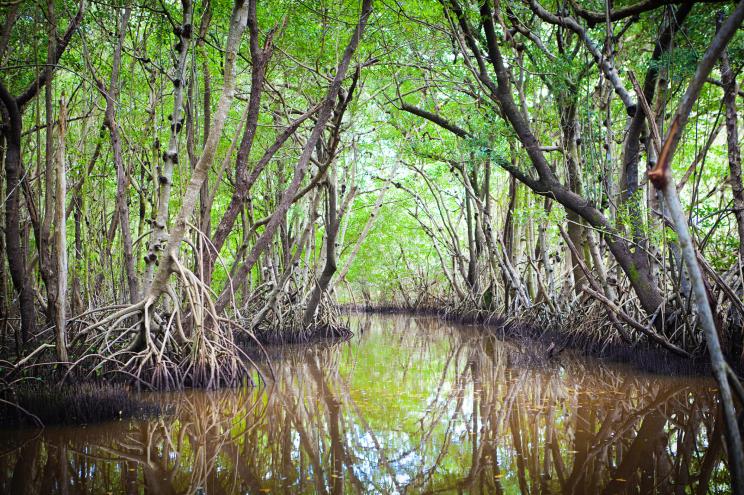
410, 405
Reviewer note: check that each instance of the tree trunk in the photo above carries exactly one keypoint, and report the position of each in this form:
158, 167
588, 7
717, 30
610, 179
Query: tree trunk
730, 89
472, 251
45, 241
331, 227
204, 216
15, 252
661, 177
199, 175
77, 296
159, 237
61, 236
569, 128
259, 61
122, 179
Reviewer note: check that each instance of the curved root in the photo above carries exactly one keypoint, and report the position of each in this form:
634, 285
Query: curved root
179, 342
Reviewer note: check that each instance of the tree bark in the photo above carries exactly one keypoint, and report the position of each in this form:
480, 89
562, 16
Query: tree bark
61, 235
159, 237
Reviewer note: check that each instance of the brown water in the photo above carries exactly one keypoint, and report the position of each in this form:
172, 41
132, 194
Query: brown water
409, 405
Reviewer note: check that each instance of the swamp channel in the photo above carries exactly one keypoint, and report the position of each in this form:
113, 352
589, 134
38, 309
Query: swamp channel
407, 405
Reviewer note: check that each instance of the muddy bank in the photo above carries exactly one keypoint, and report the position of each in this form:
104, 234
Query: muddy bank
38, 404
287, 337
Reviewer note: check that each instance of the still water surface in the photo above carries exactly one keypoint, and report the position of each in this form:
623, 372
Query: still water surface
409, 405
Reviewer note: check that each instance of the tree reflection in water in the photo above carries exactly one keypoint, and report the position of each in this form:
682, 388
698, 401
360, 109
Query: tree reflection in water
410, 405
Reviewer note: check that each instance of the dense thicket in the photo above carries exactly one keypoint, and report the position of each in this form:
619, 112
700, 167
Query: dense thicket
181, 176
171, 165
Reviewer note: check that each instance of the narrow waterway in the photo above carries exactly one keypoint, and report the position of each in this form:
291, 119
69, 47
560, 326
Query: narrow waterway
409, 405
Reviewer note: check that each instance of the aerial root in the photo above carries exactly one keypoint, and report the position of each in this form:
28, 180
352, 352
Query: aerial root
178, 342
277, 315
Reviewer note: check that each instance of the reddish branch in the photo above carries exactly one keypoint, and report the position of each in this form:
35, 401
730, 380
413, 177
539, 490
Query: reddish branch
661, 174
